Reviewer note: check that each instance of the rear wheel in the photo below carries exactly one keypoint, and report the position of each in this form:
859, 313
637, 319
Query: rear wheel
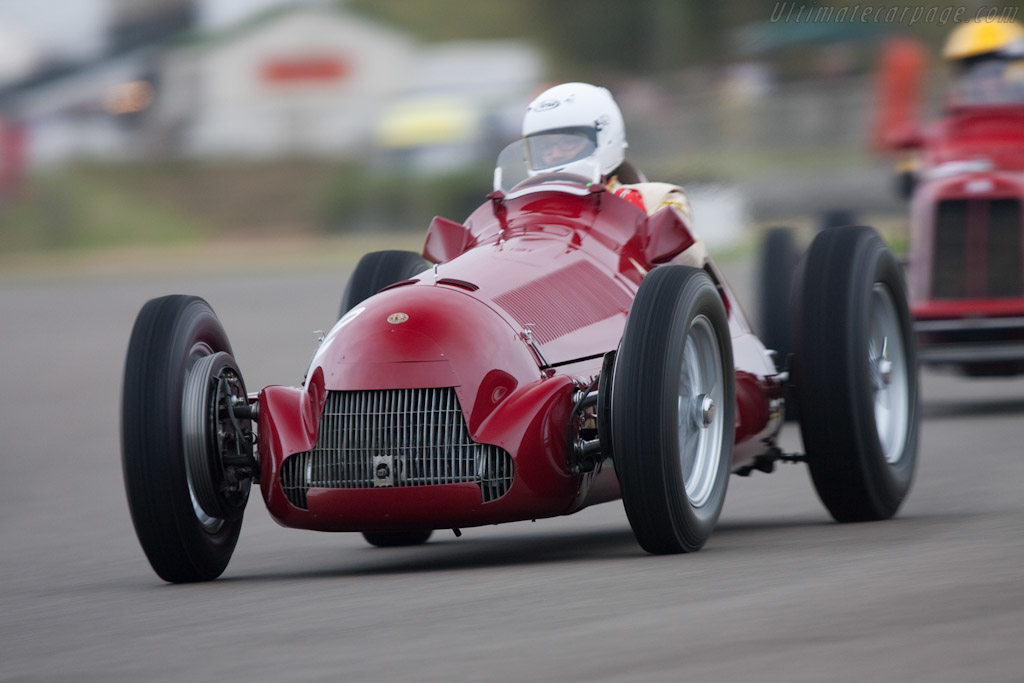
673, 410
779, 256
377, 270
396, 539
183, 449
855, 375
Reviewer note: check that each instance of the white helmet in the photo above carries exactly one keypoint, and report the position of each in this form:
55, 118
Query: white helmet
571, 128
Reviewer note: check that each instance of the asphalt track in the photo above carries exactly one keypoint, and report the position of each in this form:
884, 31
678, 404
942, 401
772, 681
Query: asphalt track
780, 593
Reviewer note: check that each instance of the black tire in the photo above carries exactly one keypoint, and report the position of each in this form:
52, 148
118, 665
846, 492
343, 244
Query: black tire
396, 539
776, 272
377, 270
183, 543
671, 509
858, 418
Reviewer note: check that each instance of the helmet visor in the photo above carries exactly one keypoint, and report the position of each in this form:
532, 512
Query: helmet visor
553, 149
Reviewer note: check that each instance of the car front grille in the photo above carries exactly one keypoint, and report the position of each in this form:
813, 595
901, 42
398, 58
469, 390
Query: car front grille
978, 249
399, 438
1003, 254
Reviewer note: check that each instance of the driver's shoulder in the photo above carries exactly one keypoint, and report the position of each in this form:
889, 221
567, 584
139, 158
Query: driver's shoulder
656, 194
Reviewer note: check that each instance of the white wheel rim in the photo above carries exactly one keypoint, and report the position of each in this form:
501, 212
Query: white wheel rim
700, 421
210, 524
889, 377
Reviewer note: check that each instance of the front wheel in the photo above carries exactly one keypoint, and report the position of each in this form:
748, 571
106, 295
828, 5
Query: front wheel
673, 410
855, 375
182, 445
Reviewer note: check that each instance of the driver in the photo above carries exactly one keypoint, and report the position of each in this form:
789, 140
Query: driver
577, 128
986, 57
558, 149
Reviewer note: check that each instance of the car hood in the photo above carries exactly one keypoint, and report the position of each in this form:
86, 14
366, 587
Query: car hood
426, 335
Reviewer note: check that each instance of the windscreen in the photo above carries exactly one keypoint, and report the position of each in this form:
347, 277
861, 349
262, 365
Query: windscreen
549, 152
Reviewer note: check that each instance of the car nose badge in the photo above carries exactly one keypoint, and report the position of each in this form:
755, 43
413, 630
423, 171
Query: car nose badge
398, 318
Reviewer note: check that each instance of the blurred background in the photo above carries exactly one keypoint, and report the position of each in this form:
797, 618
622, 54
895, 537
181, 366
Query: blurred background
125, 122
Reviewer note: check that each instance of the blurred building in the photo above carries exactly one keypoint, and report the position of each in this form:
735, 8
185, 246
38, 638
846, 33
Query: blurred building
301, 81
219, 15
75, 103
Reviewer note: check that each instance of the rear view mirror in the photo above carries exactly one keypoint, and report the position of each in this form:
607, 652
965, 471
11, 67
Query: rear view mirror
666, 235
446, 239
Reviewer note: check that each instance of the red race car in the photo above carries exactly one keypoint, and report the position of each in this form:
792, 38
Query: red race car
966, 253
565, 349
964, 174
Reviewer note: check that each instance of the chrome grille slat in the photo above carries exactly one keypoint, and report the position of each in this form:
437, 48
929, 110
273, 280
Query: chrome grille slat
422, 430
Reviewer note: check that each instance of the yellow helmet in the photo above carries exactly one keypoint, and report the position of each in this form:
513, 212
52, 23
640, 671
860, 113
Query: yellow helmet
979, 37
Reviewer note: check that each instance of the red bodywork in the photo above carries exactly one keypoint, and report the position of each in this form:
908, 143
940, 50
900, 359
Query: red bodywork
560, 261
966, 255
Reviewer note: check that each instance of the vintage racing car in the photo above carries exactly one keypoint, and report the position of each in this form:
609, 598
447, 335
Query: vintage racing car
966, 253
564, 349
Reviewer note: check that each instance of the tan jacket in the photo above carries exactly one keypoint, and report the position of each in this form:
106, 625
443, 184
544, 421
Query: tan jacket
656, 196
